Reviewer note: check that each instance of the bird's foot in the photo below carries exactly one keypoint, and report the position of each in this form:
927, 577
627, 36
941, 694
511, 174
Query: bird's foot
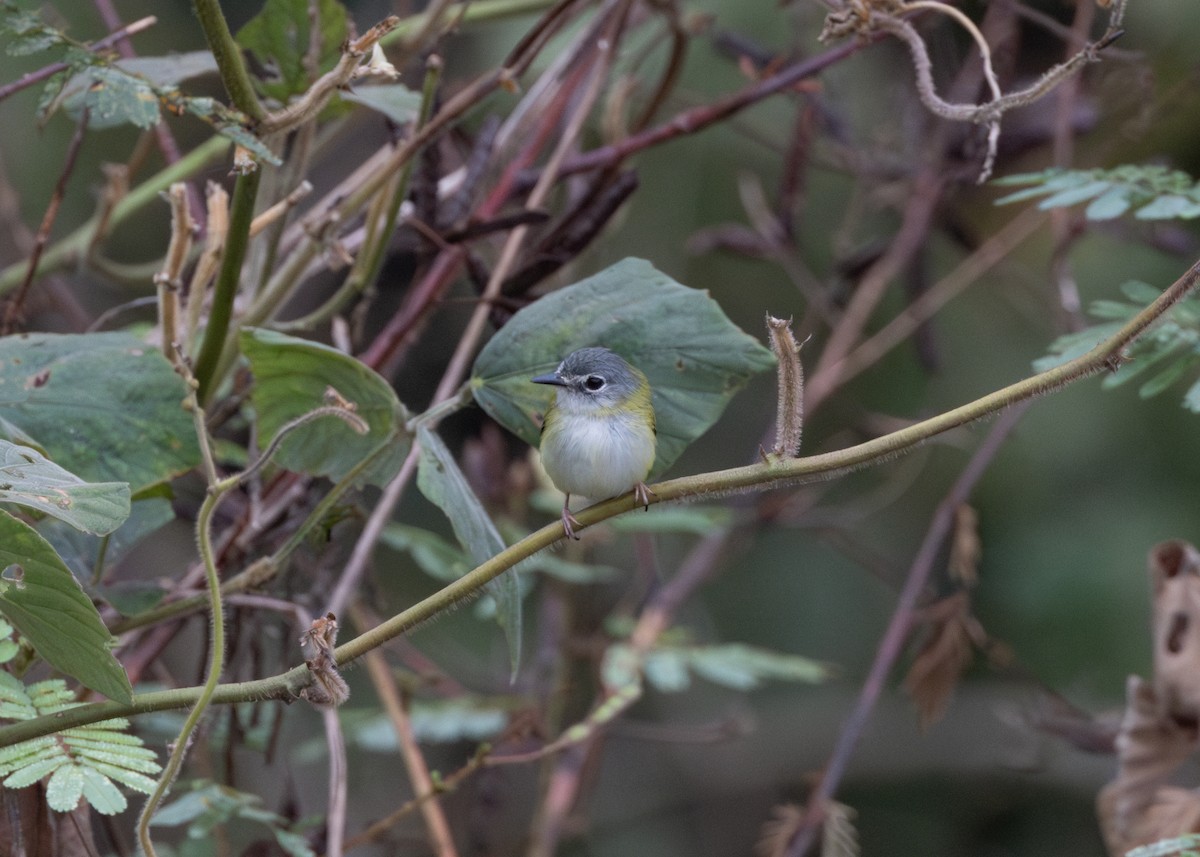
569, 522
642, 494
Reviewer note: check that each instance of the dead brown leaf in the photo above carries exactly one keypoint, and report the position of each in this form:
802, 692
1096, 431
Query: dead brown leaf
839, 837
1139, 807
1174, 568
945, 655
966, 548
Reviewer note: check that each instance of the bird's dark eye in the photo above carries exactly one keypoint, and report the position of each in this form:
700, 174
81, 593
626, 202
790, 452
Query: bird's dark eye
594, 383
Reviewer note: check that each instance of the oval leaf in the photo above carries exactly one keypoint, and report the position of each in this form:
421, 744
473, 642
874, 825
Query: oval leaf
105, 406
693, 355
291, 377
45, 603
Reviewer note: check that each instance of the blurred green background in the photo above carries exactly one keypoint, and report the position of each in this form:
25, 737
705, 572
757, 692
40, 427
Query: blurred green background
1088, 482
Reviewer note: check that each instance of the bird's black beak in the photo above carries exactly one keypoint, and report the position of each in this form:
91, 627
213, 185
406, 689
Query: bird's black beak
549, 378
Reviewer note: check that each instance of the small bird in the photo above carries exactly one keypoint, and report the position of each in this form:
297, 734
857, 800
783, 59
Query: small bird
598, 437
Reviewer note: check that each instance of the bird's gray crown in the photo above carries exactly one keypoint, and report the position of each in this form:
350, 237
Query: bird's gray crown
598, 371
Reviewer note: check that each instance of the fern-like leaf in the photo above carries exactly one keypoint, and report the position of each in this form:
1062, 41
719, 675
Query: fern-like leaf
1153, 192
82, 762
1161, 358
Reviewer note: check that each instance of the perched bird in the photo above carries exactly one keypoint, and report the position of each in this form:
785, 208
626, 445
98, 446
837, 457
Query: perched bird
598, 437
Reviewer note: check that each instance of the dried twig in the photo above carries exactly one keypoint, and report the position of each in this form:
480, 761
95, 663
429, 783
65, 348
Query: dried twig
13, 311
169, 280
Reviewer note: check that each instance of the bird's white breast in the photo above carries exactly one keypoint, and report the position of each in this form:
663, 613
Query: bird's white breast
598, 456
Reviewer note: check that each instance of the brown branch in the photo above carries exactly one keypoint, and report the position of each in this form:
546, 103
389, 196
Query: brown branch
918, 215
13, 311
699, 118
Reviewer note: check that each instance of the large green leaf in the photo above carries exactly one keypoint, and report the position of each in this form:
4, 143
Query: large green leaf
30, 479
693, 355
443, 483
105, 406
291, 377
41, 598
278, 36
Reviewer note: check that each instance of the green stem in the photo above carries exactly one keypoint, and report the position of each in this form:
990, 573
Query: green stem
229, 59
69, 250
216, 663
1106, 355
241, 213
266, 568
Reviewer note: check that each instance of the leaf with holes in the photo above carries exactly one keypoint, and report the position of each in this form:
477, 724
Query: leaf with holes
105, 406
30, 479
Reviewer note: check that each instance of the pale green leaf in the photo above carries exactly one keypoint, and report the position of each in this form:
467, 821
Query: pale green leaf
291, 377
394, 100
666, 670
105, 406
29, 774
245, 138
1169, 207
443, 484
26, 752
45, 603
1113, 203
1141, 293
1164, 379
1112, 310
569, 571
29, 479
743, 667
1072, 345
434, 555
1141, 364
1191, 399
1074, 195
65, 788
694, 357
99, 791
621, 666
123, 774
183, 809
293, 843
467, 719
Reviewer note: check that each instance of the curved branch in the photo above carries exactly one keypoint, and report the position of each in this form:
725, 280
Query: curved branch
1108, 354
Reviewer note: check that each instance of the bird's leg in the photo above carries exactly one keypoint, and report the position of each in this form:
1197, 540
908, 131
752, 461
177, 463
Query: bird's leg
569, 521
642, 493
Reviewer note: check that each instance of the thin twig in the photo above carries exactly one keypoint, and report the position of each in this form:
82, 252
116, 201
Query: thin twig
339, 782
440, 838
892, 644
13, 311
1106, 355
918, 214
967, 273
